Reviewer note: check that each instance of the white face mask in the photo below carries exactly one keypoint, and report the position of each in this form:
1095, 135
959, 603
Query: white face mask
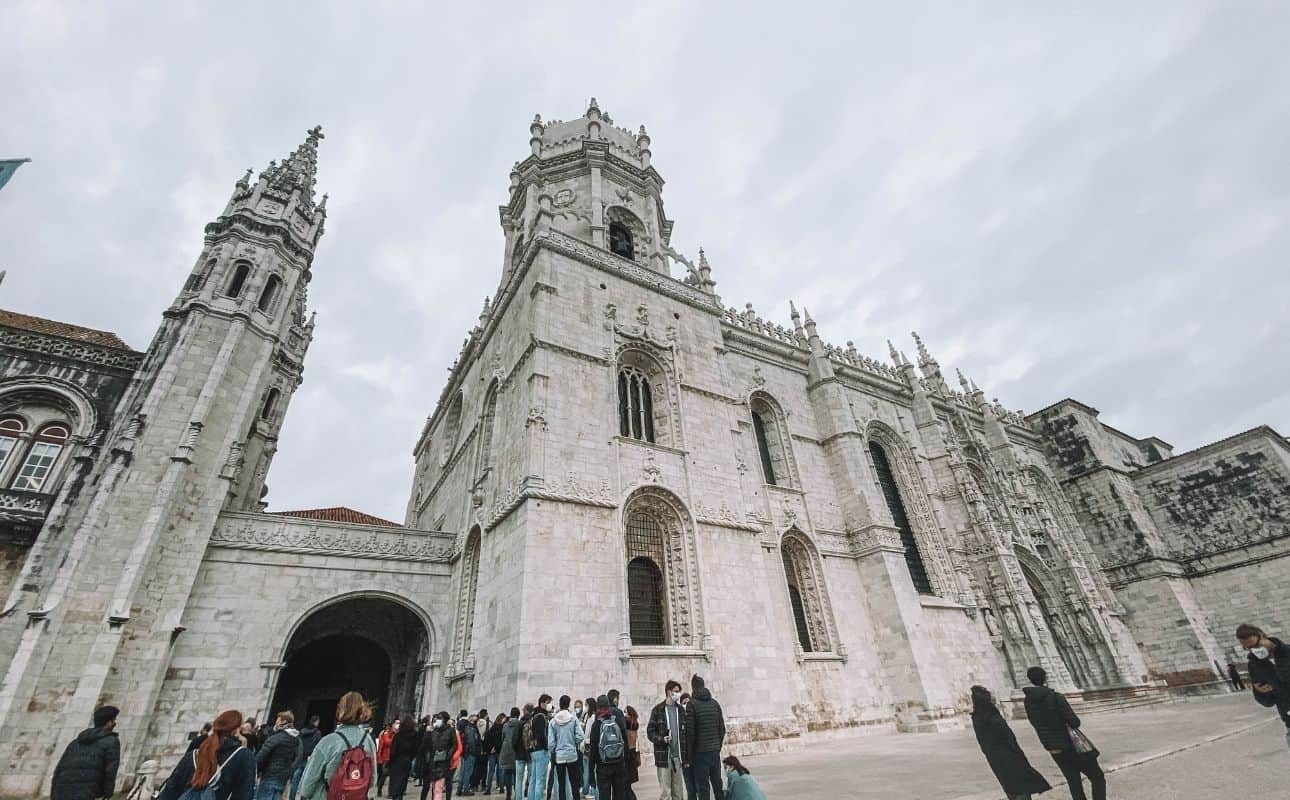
676, 697
1259, 652
549, 706
438, 723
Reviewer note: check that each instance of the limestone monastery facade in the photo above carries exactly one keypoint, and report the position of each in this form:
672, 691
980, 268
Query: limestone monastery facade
624, 480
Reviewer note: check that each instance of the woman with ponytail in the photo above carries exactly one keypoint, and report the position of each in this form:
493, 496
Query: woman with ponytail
220, 763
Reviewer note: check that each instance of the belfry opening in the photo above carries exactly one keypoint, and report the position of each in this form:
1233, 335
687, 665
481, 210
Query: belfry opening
373, 645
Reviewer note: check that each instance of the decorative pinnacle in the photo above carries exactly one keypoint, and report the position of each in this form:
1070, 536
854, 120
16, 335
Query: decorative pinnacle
299, 170
792, 313
891, 349
703, 262
592, 106
967, 389
924, 357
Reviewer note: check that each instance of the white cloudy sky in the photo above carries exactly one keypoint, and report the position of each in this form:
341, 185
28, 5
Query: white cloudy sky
1088, 204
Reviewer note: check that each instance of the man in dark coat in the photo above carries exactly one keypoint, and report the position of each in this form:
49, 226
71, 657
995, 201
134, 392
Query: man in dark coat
1007, 760
1053, 719
87, 769
309, 738
706, 725
277, 757
667, 732
1269, 668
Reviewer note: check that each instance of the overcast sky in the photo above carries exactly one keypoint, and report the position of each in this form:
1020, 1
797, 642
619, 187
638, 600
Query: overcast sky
1086, 204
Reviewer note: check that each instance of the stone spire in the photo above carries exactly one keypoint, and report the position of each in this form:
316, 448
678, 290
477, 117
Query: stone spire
298, 172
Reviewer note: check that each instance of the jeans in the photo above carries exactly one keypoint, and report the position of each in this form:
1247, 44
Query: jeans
613, 781
467, 770
568, 780
589, 779
538, 762
707, 775
687, 772
671, 783
505, 779
296, 775
1072, 764
491, 771
270, 789
522, 770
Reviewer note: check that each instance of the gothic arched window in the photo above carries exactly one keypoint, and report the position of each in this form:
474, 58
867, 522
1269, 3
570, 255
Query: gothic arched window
241, 270
805, 593
772, 441
270, 294
646, 555
469, 589
486, 428
891, 493
270, 403
451, 427
44, 450
635, 404
198, 279
10, 429
620, 241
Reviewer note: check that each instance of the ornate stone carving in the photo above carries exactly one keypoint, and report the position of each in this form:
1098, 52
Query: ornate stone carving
67, 348
274, 533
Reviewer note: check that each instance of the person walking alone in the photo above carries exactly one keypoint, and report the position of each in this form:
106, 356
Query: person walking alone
403, 749
277, 757
564, 735
87, 768
666, 731
1058, 729
221, 762
1007, 760
1269, 668
707, 732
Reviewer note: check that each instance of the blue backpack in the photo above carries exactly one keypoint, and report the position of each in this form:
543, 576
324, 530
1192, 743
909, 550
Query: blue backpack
207, 792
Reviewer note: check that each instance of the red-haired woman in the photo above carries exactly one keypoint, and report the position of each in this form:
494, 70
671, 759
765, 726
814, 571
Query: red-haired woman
220, 761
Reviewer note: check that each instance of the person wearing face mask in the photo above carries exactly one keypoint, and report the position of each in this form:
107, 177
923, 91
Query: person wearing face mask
666, 731
534, 734
439, 750
739, 782
1269, 668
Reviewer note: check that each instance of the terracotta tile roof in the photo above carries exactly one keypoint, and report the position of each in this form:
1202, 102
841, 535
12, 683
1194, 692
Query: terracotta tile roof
339, 514
12, 319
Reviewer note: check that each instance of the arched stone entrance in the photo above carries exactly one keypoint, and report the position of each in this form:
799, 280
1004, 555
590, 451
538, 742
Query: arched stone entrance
375, 645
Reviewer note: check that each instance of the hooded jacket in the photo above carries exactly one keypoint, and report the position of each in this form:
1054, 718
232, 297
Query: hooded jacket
1050, 715
88, 766
1276, 672
564, 734
236, 778
309, 738
277, 757
506, 754
706, 724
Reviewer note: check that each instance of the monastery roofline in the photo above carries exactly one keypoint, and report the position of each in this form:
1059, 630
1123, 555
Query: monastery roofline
1094, 412
1258, 431
62, 330
341, 514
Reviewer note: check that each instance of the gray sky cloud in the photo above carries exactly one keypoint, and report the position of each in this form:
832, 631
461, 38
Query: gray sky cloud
1089, 204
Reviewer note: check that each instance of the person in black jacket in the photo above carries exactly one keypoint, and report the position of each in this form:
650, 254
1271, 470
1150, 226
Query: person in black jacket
221, 761
438, 748
1269, 668
707, 732
88, 766
999, 744
309, 737
277, 757
1053, 720
611, 774
403, 749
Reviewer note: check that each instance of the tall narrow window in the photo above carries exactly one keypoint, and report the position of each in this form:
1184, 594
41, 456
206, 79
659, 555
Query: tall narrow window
795, 599
198, 279
486, 428
451, 427
620, 240
235, 285
645, 553
10, 429
270, 403
763, 447
270, 294
635, 405
46, 445
469, 589
891, 493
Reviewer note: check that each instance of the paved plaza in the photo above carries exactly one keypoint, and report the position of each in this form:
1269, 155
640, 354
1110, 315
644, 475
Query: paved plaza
1207, 749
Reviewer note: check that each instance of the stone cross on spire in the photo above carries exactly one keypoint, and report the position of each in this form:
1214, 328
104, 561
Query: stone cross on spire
298, 171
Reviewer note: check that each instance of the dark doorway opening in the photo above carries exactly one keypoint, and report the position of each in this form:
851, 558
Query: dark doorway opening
371, 645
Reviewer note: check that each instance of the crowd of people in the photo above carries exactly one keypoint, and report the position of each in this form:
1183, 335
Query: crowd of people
565, 749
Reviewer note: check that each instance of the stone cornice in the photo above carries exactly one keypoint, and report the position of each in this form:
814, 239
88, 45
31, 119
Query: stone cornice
711, 395
273, 533
71, 350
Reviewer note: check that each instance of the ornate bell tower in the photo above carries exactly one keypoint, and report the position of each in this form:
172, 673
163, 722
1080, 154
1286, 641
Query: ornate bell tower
105, 585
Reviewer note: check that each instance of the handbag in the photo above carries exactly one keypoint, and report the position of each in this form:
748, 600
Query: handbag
1080, 742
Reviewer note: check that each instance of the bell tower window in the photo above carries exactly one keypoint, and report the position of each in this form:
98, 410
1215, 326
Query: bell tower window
240, 272
270, 294
620, 240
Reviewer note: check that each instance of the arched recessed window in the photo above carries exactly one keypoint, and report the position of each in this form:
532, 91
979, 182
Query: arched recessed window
198, 279
486, 428
270, 293
451, 427
805, 593
763, 447
518, 251
646, 553
45, 448
635, 405
620, 240
891, 493
772, 441
10, 429
469, 590
235, 285
270, 403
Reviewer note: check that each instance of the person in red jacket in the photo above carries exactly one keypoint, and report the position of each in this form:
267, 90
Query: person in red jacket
383, 754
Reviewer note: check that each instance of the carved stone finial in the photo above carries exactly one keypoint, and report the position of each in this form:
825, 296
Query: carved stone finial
967, 389
895, 356
924, 357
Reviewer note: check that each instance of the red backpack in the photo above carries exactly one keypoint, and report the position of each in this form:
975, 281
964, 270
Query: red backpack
353, 773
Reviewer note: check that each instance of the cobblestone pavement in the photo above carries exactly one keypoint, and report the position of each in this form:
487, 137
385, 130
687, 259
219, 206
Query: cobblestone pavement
1161, 753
